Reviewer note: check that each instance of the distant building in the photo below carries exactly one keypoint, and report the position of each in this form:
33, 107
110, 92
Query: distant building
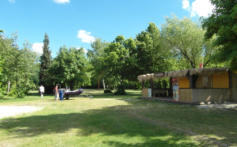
193, 86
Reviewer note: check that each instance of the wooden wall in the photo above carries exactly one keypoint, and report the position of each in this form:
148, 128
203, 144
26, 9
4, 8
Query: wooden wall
204, 82
144, 92
214, 95
220, 80
184, 82
185, 95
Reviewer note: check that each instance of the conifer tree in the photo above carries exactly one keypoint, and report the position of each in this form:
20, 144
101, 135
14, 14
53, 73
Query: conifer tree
45, 61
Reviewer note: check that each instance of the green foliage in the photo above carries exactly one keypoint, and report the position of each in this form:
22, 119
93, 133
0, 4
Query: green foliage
95, 57
16, 67
186, 40
115, 60
223, 24
45, 62
151, 57
107, 91
69, 68
120, 90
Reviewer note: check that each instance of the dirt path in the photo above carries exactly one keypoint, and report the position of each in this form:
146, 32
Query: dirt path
7, 111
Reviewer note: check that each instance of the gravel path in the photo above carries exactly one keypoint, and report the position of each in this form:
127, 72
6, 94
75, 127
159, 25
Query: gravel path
7, 111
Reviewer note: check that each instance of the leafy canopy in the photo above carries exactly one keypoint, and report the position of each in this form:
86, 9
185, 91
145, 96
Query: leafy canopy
223, 24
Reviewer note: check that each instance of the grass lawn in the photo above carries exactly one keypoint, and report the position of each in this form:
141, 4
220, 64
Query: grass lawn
117, 121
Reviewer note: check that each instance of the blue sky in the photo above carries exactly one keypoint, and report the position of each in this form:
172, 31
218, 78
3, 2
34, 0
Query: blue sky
76, 23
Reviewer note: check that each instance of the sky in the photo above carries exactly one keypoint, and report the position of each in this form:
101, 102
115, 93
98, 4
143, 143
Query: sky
77, 23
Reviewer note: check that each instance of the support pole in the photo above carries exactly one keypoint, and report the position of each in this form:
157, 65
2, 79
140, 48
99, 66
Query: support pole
142, 84
230, 85
151, 84
171, 88
192, 80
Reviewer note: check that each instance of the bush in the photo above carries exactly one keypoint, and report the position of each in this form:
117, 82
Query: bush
107, 91
120, 90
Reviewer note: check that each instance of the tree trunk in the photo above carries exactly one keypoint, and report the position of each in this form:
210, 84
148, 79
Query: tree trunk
8, 86
103, 83
98, 83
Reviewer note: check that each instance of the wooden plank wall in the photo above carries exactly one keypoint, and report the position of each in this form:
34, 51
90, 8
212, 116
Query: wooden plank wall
220, 80
185, 95
144, 92
184, 82
214, 95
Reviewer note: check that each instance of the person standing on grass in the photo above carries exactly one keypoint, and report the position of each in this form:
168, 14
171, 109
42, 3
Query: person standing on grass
56, 92
41, 89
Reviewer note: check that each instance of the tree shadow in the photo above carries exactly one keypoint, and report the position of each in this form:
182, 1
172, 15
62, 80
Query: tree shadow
129, 94
109, 122
151, 143
117, 120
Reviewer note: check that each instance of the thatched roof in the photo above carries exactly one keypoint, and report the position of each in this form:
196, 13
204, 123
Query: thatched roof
182, 73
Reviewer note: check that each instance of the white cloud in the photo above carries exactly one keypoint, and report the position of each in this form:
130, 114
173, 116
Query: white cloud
186, 4
61, 1
38, 48
201, 8
85, 50
85, 36
12, 1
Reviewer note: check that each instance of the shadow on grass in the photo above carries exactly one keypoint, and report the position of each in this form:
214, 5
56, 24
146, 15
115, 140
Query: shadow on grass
134, 120
99, 94
109, 121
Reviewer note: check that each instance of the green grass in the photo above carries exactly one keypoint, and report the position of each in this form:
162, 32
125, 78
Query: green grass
117, 121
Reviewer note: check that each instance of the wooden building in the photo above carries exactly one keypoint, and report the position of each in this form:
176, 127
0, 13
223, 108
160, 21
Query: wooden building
194, 85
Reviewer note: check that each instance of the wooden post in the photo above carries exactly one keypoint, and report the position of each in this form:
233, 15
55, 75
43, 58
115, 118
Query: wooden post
151, 85
230, 79
192, 80
171, 88
142, 84
230, 84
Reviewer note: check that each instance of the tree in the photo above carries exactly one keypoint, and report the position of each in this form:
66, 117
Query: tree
223, 24
114, 61
151, 57
8, 53
16, 67
69, 68
186, 39
45, 61
95, 58
22, 78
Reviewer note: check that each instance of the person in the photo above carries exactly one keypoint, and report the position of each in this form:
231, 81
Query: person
56, 92
41, 89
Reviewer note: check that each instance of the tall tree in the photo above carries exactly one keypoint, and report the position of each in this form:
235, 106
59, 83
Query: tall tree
16, 65
115, 59
151, 57
186, 39
223, 24
95, 58
69, 68
45, 61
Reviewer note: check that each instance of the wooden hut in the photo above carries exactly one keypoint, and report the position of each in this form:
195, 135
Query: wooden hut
194, 85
